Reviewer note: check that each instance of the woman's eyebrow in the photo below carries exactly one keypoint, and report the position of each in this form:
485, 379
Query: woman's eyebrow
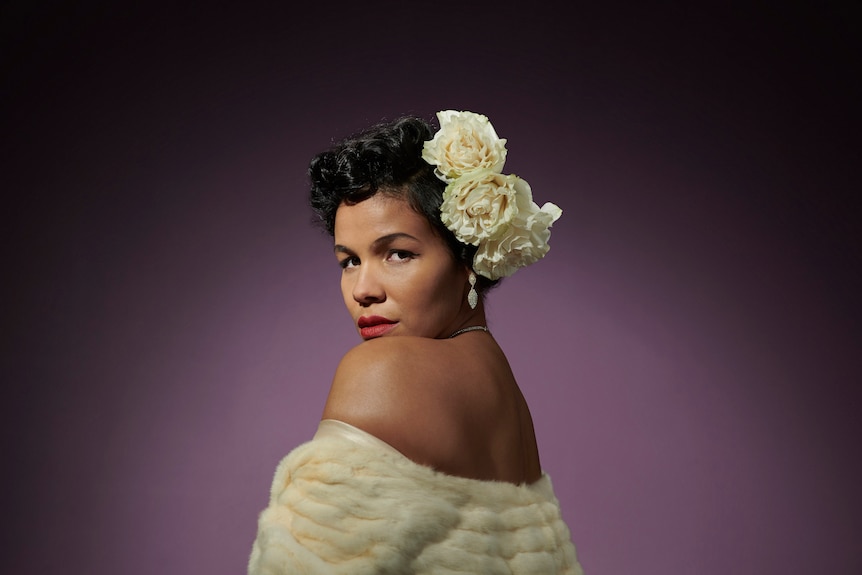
389, 238
377, 244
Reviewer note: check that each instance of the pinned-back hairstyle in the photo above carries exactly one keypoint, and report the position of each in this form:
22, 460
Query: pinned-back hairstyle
385, 158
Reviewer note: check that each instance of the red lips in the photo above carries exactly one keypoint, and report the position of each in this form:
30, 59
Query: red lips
371, 320
374, 326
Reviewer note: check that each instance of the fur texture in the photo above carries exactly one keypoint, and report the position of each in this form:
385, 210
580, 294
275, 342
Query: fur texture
336, 508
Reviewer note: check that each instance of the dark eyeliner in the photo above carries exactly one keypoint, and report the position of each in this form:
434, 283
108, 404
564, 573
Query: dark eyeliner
345, 262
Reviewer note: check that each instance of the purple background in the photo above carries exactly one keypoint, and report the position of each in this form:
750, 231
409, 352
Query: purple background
690, 347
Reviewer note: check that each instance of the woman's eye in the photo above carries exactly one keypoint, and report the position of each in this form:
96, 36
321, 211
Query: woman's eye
400, 255
349, 263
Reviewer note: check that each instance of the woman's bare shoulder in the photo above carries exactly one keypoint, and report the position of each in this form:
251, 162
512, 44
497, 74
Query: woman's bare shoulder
381, 359
384, 377
403, 391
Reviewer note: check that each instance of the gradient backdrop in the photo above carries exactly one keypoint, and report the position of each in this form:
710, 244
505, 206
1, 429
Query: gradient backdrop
690, 347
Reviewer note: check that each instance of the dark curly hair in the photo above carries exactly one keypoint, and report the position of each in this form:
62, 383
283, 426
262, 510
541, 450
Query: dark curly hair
385, 158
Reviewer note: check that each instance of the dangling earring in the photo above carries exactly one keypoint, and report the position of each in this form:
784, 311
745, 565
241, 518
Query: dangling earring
472, 296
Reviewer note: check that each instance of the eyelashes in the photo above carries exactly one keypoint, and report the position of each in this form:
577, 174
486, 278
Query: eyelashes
349, 262
402, 255
392, 256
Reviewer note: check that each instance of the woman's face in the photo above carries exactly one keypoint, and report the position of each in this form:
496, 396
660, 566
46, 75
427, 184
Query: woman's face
399, 277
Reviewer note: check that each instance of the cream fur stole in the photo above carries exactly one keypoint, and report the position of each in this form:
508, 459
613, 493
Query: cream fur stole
338, 508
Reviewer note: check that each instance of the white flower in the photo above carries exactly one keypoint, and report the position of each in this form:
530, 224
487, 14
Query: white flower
482, 206
479, 206
465, 142
523, 242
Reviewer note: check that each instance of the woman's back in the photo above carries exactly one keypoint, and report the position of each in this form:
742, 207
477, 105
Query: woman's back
451, 404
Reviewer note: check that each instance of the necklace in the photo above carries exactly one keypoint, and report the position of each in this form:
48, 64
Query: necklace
469, 328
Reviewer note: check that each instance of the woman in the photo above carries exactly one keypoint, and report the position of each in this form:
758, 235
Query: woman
425, 460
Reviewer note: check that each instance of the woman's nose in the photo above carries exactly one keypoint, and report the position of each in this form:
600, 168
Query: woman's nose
368, 287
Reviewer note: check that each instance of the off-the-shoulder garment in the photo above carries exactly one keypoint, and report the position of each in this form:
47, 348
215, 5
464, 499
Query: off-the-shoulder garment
348, 503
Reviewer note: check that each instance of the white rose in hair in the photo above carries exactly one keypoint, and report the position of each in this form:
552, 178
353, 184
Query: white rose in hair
524, 241
465, 142
479, 206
